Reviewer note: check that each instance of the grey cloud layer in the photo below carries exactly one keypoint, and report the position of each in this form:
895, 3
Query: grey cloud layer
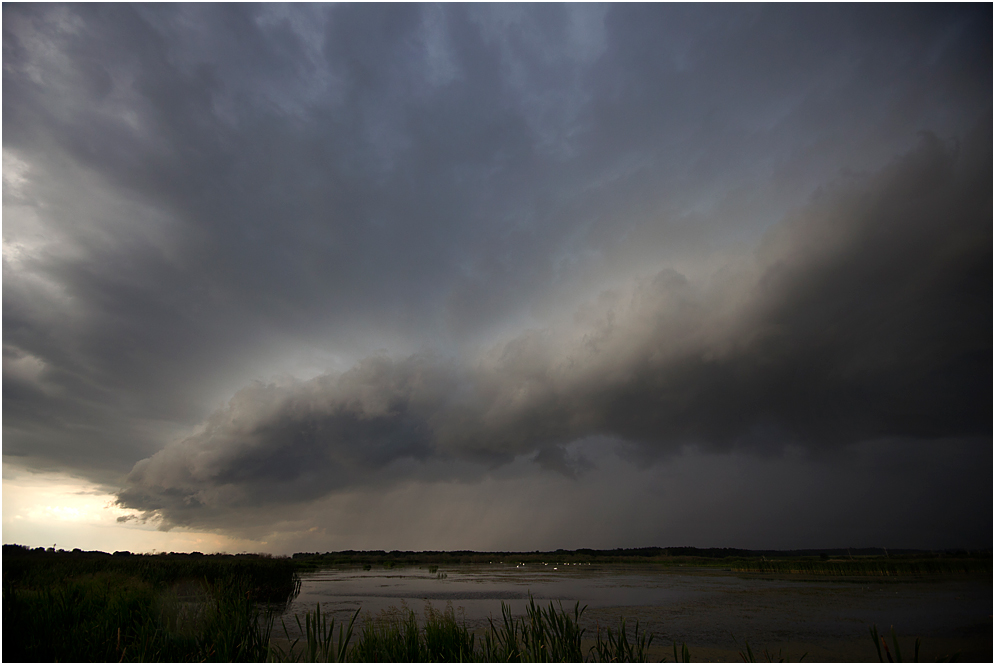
786, 501
862, 317
197, 197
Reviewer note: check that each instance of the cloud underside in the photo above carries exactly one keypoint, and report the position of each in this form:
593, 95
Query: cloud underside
863, 316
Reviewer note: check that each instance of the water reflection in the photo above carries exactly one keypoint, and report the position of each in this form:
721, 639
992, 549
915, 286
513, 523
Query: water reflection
697, 606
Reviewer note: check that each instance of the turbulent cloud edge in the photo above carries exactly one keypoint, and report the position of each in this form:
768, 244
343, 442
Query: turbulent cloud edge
864, 315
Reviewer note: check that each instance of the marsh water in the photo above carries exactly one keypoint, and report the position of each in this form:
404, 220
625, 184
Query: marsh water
713, 611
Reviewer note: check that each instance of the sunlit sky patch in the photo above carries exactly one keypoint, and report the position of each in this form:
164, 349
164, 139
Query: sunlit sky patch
59, 511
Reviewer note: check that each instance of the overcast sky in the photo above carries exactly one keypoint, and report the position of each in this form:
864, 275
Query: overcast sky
504, 277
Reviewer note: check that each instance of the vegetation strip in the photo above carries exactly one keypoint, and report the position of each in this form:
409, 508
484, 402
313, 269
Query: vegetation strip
97, 607
868, 561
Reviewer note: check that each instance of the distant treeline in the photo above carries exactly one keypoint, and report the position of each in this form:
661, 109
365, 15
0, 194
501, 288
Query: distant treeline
22, 550
853, 560
839, 561
874, 566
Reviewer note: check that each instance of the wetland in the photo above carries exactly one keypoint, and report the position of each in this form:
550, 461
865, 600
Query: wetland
462, 606
715, 611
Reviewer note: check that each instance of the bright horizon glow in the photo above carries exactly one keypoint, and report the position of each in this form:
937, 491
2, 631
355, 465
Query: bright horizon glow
58, 510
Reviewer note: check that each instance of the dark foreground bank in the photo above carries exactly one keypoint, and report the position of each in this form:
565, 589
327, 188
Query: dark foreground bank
97, 607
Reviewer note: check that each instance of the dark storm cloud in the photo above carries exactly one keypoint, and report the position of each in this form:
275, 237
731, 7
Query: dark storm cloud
864, 316
197, 197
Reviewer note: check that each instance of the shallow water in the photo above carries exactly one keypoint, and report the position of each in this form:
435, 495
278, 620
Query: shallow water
712, 610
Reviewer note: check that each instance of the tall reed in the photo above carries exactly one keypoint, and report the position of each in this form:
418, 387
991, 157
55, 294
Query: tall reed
446, 639
880, 642
320, 645
391, 638
617, 648
544, 634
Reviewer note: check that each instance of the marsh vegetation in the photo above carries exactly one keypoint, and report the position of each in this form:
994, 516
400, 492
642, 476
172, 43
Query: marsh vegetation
95, 607
91, 606
549, 634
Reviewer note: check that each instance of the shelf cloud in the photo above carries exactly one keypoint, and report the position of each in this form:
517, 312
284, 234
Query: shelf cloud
861, 317
370, 275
